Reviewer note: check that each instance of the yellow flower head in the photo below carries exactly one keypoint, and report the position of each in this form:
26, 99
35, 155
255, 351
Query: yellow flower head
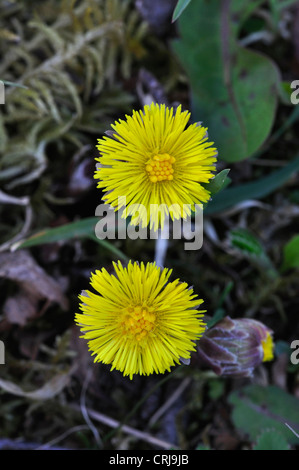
268, 347
153, 159
138, 321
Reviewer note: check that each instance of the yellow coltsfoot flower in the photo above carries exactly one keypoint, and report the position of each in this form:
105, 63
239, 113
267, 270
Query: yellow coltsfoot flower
151, 159
138, 321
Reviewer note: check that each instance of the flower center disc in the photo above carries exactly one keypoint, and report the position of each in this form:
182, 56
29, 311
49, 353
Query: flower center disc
159, 168
137, 322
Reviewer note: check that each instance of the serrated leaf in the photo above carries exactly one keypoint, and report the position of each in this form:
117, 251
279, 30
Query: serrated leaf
256, 408
270, 439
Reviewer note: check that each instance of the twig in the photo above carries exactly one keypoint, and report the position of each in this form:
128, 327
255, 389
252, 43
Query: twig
173, 398
62, 436
14, 444
84, 410
113, 423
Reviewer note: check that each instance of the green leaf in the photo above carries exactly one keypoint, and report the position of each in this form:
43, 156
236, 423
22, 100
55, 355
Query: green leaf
79, 229
285, 92
233, 89
291, 254
246, 242
218, 315
253, 190
180, 7
256, 408
216, 389
249, 245
220, 312
270, 439
291, 429
275, 136
218, 183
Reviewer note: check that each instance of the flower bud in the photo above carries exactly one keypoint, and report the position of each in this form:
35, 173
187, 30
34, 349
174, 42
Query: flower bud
235, 347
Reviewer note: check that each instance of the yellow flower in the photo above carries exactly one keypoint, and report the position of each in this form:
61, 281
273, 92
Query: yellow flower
153, 159
268, 347
138, 321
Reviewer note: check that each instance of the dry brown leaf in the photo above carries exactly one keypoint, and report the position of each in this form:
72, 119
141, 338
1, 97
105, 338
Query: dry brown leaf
34, 285
20, 308
47, 391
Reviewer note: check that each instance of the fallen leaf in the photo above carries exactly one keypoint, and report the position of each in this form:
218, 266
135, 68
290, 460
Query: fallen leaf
47, 391
20, 308
34, 285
